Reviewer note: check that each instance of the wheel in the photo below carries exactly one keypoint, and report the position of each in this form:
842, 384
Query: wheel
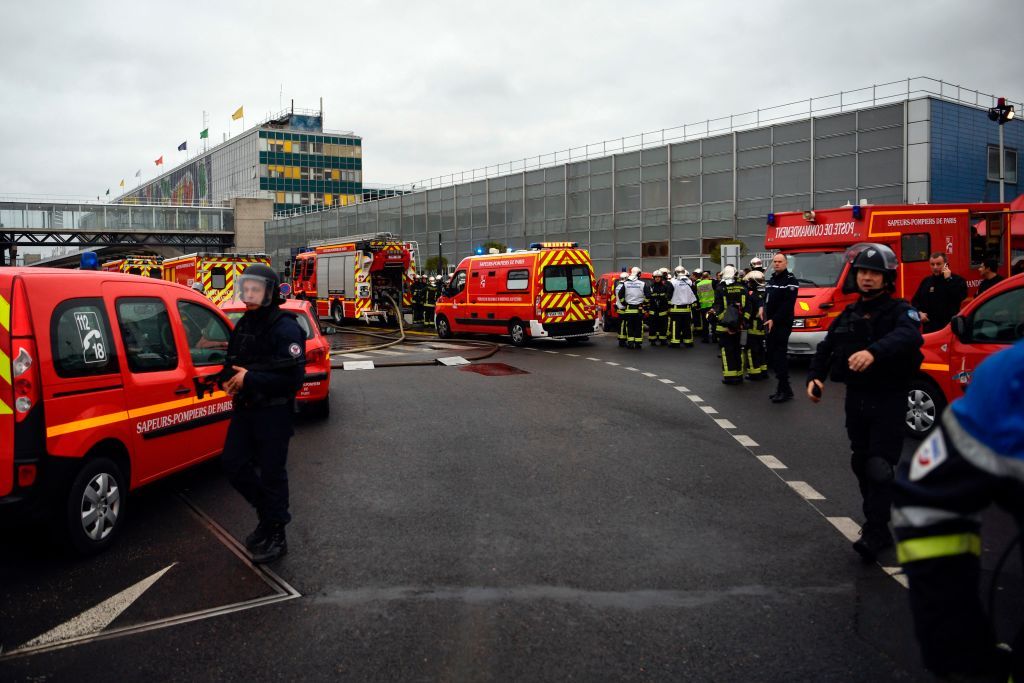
96, 506
444, 328
925, 403
337, 314
517, 331
320, 410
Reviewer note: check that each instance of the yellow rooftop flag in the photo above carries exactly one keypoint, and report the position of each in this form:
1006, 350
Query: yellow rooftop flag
238, 114
122, 182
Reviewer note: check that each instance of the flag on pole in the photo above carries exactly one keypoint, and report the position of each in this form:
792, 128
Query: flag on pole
238, 114
138, 174
204, 133
108, 190
183, 146
160, 161
122, 182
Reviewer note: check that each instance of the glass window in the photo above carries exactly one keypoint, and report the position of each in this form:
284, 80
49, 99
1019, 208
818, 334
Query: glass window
817, 268
1000, 320
206, 333
517, 280
558, 279
81, 339
147, 335
218, 278
1009, 161
915, 247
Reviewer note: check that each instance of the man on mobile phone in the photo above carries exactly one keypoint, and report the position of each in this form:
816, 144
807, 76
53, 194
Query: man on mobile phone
939, 296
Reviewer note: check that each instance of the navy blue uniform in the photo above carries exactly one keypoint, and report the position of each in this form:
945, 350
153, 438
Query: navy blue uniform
876, 398
780, 294
271, 346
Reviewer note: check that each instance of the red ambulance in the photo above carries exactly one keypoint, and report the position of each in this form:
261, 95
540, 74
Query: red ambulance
146, 266
545, 291
214, 272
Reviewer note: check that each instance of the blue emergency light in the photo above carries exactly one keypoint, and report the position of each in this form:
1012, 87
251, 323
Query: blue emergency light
771, 219
858, 212
89, 261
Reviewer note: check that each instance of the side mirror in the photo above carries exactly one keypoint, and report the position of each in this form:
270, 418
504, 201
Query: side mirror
959, 327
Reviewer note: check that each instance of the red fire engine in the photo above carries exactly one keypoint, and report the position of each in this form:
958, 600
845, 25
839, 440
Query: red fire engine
146, 266
349, 277
815, 242
216, 272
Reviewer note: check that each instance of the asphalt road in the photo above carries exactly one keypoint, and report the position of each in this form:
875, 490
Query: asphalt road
569, 513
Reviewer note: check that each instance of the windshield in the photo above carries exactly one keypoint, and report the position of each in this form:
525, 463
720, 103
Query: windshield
568, 277
817, 268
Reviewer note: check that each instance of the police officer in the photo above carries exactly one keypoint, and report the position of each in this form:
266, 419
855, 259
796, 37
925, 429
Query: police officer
754, 354
635, 294
680, 312
661, 293
781, 292
266, 353
730, 311
975, 457
874, 348
419, 297
705, 289
430, 301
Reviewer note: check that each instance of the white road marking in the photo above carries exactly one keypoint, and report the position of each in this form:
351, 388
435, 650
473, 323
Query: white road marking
771, 462
99, 617
594, 359
897, 573
846, 526
745, 440
682, 390
632, 369
805, 490
695, 398
724, 424
546, 351
574, 355
648, 374
453, 360
609, 362
358, 365
666, 381
709, 410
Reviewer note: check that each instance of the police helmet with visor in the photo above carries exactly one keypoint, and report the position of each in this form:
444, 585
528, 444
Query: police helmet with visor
258, 285
870, 256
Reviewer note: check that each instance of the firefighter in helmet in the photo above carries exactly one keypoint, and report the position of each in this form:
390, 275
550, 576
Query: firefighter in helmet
657, 322
419, 297
635, 294
754, 354
730, 313
680, 311
430, 301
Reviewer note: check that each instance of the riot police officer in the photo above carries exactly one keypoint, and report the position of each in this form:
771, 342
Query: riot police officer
266, 361
657, 323
874, 348
680, 312
730, 312
634, 294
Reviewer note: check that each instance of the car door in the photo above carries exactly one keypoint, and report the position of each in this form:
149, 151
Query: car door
993, 324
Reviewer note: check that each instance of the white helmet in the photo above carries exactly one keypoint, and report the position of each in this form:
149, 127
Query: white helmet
755, 275
634, 273
755, 262
729, 273
432, 280
680, 270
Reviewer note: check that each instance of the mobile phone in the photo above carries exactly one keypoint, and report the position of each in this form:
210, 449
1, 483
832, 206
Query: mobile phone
816, 390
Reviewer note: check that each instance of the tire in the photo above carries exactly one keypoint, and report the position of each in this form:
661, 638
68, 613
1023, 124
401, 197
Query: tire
337, 314
320, 410
444, 328
517, 331
925, 403
96, 506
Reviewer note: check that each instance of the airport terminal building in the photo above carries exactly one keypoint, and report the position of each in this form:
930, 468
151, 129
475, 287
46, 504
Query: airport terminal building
670, 196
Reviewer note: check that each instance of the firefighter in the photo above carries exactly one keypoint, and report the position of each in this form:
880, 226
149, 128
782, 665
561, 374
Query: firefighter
266, 363
620, 306
973, 459
680, 312
419, 297
430, 301
754, 353
756, 264
706, 300
635, 294
874, 348
657, 322
730, 311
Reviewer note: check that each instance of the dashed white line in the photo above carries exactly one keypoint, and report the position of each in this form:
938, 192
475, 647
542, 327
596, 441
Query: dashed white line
805, 490
547, 351
648, 374
695, 398
611, 362
633, 369
846, 526
724, 424
574, 355
666, 381
897, 573
594, 359
709, 410
771, 462
681, 390
745, 440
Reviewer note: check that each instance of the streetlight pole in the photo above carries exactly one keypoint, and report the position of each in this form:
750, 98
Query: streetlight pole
1001, 113
439, 257
1002, 165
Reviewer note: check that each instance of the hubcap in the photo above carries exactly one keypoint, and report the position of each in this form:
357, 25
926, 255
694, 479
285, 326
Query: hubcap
442, 328
517, 333
101, 504
920, 411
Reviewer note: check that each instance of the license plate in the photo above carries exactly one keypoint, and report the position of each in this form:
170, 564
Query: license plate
555, 312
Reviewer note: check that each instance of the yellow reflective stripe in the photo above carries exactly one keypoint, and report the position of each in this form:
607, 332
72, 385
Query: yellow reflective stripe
5, 314
930, 547
4, 408
5, 367
941, 367
110, 418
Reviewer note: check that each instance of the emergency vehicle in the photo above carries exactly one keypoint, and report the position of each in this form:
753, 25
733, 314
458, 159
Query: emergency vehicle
349, 277
146, 266
984, 326
216, 272
545, 291
606, 285
314, 396
100, 393
816, 241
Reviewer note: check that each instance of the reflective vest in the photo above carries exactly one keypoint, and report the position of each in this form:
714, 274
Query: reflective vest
683, 294
706, 293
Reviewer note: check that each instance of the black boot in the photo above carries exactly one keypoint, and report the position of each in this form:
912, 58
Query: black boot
873, 540
273, 547
258, 536
785, 392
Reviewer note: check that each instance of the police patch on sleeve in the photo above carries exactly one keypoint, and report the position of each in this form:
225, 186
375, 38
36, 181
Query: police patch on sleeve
929, 455
914, 315
295, 350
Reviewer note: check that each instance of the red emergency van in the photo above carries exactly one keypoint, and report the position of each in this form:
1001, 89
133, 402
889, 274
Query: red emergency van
314, 396
545, 291
986, 325
146, 266
816, 241
99, 393
214, 272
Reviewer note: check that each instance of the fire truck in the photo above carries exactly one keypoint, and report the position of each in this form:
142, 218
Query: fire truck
216, 272
146, 266
353, 277
816, 241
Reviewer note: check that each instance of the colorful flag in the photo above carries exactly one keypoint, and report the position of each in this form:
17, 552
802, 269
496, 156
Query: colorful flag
160, 161
238, 114
122, 182
183, 146
138, 174
204, 133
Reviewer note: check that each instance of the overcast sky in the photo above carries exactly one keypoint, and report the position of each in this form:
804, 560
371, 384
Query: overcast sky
93, 91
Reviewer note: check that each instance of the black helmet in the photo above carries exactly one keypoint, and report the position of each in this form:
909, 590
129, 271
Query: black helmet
870, 256
266, 278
